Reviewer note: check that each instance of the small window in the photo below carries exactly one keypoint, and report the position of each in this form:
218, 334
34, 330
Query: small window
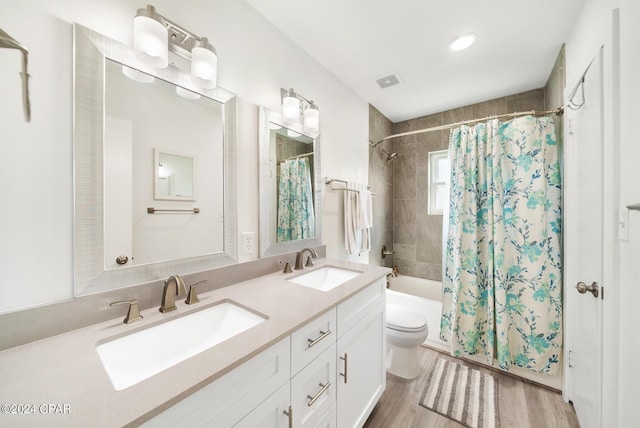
438, 178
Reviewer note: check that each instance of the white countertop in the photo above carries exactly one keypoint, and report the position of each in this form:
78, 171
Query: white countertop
60, 381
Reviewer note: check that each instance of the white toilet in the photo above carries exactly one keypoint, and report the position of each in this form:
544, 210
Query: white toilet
406, 330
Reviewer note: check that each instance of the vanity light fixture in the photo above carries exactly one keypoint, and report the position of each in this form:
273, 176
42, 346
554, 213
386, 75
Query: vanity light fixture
154, 36
294, 105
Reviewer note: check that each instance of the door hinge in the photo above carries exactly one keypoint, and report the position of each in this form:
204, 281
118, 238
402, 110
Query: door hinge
570, 126
570, 358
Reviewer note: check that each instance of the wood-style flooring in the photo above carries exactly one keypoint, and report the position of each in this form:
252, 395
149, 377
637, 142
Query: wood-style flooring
521, 404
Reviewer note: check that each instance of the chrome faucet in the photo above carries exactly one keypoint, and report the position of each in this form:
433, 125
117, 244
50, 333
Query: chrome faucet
299, 256
174, 286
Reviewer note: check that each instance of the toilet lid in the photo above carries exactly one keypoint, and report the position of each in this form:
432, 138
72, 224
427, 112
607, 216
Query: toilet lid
401, 318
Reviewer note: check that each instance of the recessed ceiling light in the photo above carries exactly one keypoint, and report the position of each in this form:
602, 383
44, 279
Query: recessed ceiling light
463, 41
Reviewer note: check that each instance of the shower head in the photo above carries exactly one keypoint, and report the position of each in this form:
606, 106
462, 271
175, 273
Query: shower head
390, 156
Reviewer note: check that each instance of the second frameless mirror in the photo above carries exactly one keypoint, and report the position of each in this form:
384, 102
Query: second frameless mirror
289, 186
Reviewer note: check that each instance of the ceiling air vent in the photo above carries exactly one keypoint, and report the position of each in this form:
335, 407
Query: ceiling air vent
389, 80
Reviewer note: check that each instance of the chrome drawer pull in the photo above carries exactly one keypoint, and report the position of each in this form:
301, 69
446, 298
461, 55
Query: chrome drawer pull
290, 415
313, 342
318, 394
345, 367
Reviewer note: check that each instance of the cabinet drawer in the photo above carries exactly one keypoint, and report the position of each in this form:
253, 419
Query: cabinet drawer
313, 390
311, 340
329, 419
359, 306
225, 401
272, 413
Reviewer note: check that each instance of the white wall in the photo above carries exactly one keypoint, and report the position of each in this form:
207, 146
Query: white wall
629, 189
255, 61
621, 345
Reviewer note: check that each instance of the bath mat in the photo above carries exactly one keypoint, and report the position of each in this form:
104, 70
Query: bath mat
462, 394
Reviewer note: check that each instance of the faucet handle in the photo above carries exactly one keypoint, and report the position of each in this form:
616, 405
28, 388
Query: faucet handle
309, 263
287, 267
192, 297
133, 314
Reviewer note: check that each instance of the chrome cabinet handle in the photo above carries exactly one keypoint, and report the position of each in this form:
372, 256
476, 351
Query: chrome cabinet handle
318, 394
593, 288
290, 415
314, 342
344, 375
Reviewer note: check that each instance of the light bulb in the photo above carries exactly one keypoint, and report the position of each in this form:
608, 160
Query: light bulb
204, 65
185, 93
312, 118
136, 75
150, 41
290, 107
463, 42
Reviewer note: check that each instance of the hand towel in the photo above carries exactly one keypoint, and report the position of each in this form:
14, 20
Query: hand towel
365, 217
352, 234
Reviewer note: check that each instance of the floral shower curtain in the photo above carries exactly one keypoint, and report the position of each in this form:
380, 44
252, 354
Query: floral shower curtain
502, 285
295, 201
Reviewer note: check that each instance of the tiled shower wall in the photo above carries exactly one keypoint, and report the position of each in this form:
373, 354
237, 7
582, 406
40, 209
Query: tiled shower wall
381, 182
417, 236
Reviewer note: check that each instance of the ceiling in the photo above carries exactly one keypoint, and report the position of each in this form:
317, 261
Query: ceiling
360, 41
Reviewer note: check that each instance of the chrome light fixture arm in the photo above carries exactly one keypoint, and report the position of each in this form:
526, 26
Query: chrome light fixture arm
6, 41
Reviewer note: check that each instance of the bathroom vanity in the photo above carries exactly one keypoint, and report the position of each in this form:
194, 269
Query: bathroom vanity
317, 359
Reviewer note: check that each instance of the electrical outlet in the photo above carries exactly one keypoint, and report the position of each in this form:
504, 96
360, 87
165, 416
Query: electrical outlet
246, 243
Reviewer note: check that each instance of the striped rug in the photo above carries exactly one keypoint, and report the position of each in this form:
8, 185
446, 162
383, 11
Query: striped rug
462, 394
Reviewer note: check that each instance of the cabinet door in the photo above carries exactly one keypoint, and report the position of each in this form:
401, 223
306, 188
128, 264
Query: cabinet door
313, 390
272, 413
227, 400
361, 368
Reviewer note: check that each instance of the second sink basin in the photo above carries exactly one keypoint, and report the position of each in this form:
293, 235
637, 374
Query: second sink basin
140, 355
326, 278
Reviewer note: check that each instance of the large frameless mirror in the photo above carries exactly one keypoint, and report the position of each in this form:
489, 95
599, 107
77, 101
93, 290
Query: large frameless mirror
290, 188
154, 167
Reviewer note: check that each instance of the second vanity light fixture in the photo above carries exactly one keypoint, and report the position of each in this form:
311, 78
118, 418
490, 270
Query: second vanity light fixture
154, 36
294, 104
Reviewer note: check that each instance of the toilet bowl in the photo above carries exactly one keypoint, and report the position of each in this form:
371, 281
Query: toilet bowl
406, 330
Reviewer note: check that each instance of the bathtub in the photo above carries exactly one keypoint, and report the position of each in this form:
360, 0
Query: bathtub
423, 296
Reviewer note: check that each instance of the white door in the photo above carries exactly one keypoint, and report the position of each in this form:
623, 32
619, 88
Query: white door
584, 241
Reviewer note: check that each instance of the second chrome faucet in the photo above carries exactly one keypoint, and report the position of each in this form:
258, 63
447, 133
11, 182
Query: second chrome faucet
300, 255
174, 286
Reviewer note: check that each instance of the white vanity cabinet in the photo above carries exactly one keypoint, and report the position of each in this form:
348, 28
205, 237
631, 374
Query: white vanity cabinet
361, 350
229, 399
329, 373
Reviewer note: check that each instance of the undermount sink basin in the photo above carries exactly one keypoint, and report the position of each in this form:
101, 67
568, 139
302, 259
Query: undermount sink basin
138, 356
326, 278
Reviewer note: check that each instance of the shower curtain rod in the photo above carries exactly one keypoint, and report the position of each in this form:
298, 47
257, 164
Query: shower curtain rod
558, 110
304, 155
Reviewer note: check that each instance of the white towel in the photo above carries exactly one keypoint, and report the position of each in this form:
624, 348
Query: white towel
358, 218
365, 216
352, 234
